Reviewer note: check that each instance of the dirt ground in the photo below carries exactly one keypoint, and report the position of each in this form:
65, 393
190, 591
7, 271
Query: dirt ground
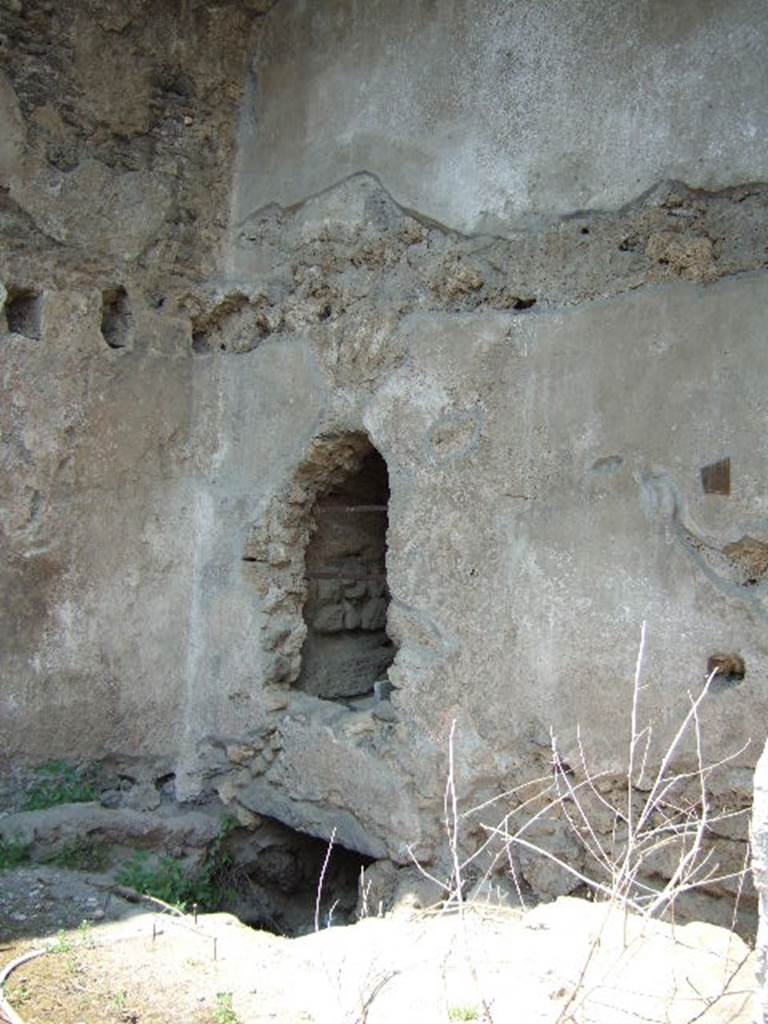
37, 901
41, 907
568, 960
132, 978
111, 961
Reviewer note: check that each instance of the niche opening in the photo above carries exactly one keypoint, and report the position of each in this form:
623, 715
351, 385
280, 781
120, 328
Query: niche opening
23, 312
116, 318
728, 670
347, 651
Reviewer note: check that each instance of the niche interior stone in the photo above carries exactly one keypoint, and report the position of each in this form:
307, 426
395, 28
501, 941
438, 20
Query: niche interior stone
347, 649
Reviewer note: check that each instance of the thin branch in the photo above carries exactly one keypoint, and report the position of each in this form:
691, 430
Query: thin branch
324, 868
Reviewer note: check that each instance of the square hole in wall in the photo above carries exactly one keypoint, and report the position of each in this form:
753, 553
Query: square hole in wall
716, 477
23, 312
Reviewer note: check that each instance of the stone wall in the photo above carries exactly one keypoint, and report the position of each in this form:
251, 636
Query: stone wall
518, 250
117, 128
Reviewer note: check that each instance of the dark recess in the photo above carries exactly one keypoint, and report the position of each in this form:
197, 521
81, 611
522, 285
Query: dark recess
22, 312
716, 477
116, 317
347, 650
275, 876
729, 670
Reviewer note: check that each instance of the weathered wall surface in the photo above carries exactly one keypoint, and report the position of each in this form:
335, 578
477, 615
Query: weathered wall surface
96, 523
539, 512
492, 113
203, 328
117, 136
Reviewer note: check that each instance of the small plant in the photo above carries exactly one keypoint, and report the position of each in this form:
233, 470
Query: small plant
63, 944
22, 994
224, 1012
13, 852
462, 1013
166, 879
212, 885
59, 783
81, 855
119, 1000
86, 937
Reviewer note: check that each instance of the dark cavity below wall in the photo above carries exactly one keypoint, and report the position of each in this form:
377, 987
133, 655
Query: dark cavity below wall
284, 878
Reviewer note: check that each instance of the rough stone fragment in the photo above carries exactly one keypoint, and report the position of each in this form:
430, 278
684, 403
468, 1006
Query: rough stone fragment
142, 797
541, 870
374, 614
12, 132
689, 257
351, 616
329, 619
240, 753
751, 556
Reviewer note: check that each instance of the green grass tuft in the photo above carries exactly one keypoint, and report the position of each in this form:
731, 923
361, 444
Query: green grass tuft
13, 852
462, 1013
224, 1012
166, 880
81, 855
59, 783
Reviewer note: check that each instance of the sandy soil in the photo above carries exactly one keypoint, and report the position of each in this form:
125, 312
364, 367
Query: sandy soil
568, 960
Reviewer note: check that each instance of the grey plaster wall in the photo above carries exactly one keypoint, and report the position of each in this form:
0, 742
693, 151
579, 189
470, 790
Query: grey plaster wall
546, 499
117, 136
97, 535
491, 113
